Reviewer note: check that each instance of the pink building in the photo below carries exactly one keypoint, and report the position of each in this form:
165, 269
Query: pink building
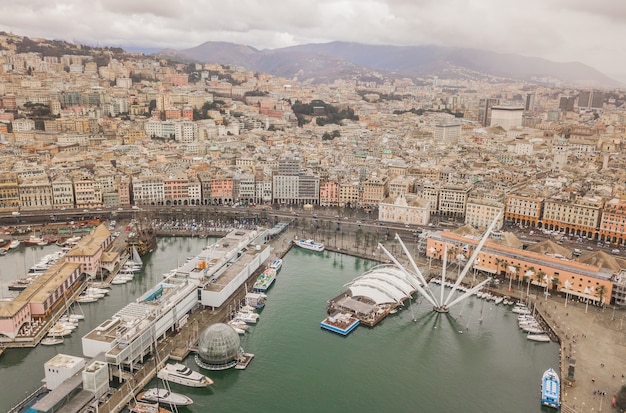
89, 250
21, 319
176, 190
329, 193
222, 190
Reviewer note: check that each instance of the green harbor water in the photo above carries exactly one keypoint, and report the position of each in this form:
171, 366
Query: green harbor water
414, 361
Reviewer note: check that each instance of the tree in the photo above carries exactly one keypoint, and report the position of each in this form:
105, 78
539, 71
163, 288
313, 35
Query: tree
600, 291
555, 283
539, 276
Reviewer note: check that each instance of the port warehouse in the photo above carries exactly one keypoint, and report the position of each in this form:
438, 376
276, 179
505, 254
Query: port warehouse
208, 280
32, 309
125, 340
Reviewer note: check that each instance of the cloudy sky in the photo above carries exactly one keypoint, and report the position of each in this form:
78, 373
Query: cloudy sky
591, 32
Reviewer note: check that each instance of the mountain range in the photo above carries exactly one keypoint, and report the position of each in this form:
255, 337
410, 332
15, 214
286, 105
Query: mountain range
325, 62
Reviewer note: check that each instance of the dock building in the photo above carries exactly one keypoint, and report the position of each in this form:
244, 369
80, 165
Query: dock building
207, 280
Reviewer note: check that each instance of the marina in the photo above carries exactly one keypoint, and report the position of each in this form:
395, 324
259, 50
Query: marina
325, 274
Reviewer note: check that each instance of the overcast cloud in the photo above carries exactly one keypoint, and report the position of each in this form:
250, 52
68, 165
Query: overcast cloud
559, 30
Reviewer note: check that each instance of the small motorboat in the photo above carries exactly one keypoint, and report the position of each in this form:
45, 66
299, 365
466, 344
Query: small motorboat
51, 341
143, 407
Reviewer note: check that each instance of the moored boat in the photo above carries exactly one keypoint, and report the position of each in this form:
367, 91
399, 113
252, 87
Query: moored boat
250, 318
276, 264
309, 244
550, 389
183, 375
164, 396
51, 341
541, 337
35, 240
265, 280
143, 407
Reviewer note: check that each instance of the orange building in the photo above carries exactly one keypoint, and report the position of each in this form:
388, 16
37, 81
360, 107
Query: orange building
222, 190
613, 223
551, 272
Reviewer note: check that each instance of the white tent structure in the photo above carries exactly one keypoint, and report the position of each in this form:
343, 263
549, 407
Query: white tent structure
384, 284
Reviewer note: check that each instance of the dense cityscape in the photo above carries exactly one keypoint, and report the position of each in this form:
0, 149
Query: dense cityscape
90, 129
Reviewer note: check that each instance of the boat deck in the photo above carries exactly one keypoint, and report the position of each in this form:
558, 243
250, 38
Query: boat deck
244, 360
340, 323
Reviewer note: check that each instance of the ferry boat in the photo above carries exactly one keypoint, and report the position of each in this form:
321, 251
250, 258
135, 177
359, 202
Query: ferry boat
265, 280
183, 375
276, 264
309, 244
550, 389
164, 396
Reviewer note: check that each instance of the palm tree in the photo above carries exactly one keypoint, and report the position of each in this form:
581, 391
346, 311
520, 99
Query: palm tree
540, 274
555, 283
500, 263
600, 291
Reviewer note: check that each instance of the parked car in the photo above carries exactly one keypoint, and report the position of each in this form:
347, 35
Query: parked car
615, 251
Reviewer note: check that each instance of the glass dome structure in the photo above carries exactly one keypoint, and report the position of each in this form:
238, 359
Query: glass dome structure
218, 347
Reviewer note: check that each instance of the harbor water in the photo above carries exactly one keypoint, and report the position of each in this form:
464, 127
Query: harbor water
473, 360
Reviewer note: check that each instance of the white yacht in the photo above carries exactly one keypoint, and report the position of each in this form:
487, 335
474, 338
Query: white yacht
183, 375
309, 244
164, 396
250, 318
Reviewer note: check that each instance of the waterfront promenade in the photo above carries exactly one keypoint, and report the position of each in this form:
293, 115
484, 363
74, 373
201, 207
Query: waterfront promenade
594, 337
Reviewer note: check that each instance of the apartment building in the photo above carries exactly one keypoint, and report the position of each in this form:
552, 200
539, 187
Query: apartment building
480, 212
35, 193
613, 223
453, 199
63, 192
375, 190
176, 189
524, 208
580, 217
329, 193
9, 192
148, 190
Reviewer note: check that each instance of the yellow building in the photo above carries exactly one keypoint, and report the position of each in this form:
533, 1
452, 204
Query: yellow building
580, 217
9, 192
